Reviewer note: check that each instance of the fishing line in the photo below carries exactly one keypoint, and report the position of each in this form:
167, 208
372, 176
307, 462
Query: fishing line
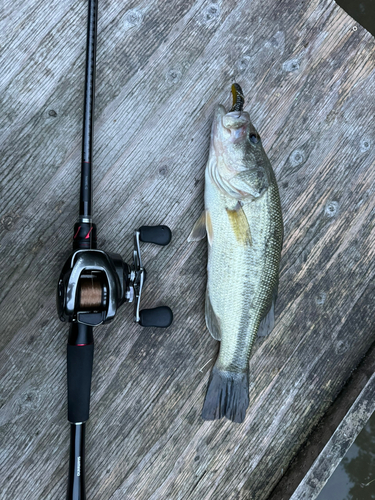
91, 293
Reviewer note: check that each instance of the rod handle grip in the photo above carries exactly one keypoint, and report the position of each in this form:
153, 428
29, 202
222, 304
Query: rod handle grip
160, 317
159, 235
79, 365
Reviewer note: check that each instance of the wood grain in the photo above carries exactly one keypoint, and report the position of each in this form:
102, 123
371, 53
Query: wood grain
338, 445
309, 82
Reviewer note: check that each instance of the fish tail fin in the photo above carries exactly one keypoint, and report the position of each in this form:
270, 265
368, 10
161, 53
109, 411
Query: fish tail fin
227, 395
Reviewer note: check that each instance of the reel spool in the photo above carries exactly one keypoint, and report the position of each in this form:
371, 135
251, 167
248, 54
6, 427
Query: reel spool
92, 292
93, 284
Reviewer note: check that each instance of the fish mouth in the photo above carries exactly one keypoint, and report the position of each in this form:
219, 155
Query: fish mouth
234, 125
235, 120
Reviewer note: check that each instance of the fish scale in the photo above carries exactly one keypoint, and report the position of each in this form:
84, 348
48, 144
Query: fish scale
240, 278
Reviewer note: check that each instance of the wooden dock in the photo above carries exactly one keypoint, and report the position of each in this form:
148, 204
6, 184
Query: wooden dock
338, 445
307, 70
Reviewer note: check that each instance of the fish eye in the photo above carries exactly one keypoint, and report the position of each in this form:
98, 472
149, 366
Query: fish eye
254, 138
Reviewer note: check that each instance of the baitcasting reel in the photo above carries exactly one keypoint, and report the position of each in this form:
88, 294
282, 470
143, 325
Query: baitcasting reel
93, 284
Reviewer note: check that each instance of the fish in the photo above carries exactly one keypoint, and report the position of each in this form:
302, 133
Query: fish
243, 222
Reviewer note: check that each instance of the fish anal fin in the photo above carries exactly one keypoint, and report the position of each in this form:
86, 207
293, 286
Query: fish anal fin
240, 225
199, 230
212, 321
268, 322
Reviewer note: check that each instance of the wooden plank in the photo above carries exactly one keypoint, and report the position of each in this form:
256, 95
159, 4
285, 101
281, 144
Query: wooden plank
337, 447
324, 430
309, 81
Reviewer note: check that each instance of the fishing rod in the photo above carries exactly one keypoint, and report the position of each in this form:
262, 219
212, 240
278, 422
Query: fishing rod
93, 284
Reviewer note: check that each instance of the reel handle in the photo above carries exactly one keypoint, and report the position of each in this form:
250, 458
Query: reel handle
159, 317
159, 235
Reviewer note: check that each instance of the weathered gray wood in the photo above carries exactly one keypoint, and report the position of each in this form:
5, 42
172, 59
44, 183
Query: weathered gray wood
309, 81
322, 433
337, 447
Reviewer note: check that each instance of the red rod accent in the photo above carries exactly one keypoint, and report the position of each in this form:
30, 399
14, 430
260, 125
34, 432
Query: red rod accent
88, 234
75, 236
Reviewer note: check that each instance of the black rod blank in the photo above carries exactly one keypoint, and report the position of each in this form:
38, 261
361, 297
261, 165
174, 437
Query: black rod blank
85, 209
76, 481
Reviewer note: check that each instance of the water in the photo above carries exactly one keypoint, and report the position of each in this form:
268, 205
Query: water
354, 478
362, 11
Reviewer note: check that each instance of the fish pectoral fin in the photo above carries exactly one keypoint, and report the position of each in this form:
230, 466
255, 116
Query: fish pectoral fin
240, 225
268, 322
212, 321
199, 230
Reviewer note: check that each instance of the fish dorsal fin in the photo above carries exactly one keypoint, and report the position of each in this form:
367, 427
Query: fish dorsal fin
201, 227
212, 321
240, 224
199, 230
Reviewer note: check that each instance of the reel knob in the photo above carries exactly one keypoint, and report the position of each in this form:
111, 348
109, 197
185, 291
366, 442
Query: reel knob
159, 235
159, 317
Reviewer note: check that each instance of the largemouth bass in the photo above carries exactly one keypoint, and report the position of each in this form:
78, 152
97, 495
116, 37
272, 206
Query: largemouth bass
244, 227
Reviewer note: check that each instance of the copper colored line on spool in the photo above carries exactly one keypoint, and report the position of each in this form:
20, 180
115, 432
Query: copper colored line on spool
91, 293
